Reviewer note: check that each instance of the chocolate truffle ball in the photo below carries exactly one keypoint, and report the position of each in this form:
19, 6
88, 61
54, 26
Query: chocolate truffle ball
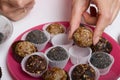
55, 28
22, 48
36, 64
36, 36
0, 72
55, 74
103, 45
83, 72
83, 36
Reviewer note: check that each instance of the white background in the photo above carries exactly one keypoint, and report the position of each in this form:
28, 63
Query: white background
45, 11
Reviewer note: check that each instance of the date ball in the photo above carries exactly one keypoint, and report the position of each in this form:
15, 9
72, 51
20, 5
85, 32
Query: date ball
83, 72
83, 36
55, 28
103, 45
55, 73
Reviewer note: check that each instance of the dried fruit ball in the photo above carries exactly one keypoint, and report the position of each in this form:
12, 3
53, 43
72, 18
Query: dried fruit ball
83, 72
55, 73
83, 36
22, 48
35, 64
103, 45
55, 28
100, 60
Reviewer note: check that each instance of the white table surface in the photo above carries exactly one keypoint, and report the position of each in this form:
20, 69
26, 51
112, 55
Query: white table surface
45, 11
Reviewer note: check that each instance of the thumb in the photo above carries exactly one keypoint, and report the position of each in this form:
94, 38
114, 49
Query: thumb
101, 25
92, 17
75, 20
89, 19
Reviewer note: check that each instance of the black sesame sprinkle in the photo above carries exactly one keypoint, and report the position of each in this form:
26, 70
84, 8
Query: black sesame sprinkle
36, 36
100, 60
57, 54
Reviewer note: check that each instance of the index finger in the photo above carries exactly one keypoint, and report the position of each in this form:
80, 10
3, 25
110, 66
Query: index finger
75, 19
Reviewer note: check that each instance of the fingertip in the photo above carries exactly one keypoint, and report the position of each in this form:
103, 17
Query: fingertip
69, 35
95, 40
71, 31
97, 35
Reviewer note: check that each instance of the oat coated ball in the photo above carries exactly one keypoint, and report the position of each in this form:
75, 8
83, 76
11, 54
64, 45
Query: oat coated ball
83, 36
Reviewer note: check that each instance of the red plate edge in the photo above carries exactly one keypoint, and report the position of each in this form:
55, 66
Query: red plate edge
112, 75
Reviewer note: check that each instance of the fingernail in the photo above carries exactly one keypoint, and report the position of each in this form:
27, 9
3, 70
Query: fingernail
95, 40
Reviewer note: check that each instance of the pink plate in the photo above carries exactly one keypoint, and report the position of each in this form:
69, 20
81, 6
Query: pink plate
17, 73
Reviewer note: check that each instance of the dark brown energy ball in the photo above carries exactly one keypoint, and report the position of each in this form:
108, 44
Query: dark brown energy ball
83, 36
103, 45
22, 48
83, 72
55, 28
36, 64
55, 74
0, 72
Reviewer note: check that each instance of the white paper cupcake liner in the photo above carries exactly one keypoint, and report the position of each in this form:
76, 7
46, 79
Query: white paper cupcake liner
97, 73
107, 69
23, 62
62, 39
39, 46
79, 55
61, 64
51, 35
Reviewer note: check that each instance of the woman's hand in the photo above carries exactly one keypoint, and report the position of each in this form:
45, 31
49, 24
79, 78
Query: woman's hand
107, 12
78, 8
16, 9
